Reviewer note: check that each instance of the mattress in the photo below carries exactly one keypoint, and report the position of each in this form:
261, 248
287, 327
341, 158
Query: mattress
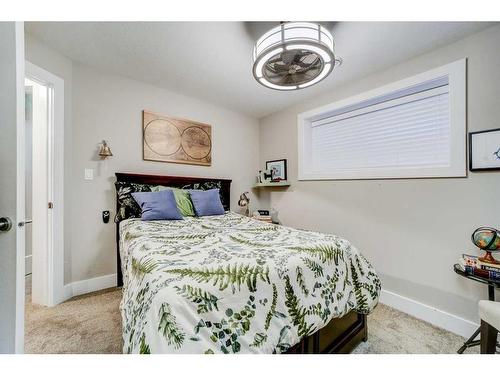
231, 284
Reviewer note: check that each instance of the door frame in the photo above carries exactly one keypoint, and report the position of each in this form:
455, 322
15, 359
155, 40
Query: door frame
51, 274
20, 188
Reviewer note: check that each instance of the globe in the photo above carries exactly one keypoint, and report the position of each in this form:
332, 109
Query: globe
487, 239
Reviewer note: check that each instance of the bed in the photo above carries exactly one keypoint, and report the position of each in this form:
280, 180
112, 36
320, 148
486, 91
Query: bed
231, 284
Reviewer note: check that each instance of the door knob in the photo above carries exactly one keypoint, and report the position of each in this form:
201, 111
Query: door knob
5, 224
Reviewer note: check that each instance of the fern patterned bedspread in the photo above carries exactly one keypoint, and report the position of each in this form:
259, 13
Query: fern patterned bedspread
230, 284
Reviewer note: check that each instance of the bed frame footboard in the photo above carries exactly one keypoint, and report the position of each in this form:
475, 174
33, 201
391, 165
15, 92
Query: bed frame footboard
340, 336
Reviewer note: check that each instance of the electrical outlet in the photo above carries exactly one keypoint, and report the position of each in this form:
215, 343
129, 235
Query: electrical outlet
89, 174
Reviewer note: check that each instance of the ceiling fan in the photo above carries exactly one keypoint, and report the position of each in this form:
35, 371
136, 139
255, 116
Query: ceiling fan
294, 55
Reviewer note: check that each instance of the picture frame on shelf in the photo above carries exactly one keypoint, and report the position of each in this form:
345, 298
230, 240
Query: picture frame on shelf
278, 169
484, 150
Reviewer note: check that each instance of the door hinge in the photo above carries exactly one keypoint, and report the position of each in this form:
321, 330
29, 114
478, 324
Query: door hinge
51, 205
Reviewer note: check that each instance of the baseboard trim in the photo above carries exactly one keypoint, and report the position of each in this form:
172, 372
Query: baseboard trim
90, 285
432, 315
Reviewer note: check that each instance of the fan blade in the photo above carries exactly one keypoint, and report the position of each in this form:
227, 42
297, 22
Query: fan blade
296, 78
308, 61
284, 80
289, 80
281, 58
275, 75
274, 59
280, 67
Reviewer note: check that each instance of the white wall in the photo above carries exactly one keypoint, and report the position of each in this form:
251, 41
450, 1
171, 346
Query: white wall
412, 230
103, 106
110, 107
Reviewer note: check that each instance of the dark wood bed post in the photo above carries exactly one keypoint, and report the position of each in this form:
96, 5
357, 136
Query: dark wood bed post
341, 335
119, 275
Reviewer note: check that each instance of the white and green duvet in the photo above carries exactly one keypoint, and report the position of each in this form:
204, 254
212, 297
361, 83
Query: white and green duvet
230, 284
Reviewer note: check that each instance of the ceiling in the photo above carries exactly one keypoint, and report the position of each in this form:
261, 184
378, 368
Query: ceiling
212, 61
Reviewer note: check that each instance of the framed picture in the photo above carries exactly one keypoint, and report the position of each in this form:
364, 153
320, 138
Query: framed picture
277, 168
173, 140
484, 150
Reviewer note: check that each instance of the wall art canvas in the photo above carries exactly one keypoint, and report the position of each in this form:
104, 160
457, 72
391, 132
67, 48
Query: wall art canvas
173, 140
484, 150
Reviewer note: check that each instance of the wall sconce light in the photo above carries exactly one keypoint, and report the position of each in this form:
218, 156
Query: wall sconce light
105, 151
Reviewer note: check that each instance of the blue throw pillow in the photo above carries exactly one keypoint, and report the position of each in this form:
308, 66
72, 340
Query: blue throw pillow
159, 205
206, 202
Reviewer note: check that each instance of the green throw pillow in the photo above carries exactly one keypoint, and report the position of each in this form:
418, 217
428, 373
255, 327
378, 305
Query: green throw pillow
182, 199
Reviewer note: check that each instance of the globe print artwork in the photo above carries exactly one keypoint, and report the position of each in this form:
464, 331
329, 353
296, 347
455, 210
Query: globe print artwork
196, 142
155, 134
174, 140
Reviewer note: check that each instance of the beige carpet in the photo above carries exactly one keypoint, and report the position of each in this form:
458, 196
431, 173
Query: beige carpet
393, 332
86, 324
92, 324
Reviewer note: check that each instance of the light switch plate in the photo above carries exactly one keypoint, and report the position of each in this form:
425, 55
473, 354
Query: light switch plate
89, 174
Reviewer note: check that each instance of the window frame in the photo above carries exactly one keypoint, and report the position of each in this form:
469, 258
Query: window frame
456, 74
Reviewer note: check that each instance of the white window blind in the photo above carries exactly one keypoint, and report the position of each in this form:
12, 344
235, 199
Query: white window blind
405, 132
410, 131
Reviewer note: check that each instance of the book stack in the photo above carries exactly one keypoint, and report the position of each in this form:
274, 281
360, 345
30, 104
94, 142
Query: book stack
265, 218
472, 265
262, 215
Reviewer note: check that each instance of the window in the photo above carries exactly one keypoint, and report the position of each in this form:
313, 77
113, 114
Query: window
413, 128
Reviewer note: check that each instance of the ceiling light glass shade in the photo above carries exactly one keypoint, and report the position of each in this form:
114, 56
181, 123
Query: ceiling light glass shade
293, 55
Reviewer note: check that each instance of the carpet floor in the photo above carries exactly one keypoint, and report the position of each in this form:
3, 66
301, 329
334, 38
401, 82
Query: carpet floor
92, 324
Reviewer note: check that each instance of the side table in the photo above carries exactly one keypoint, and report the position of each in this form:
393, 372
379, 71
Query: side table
471, 341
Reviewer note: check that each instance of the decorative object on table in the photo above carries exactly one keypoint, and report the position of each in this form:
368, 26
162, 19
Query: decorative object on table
268, 216
487, 239
265, 218
484, 150
265, 176
244, 201
474, 266
278, 169
293, 55
173, 140
104, 150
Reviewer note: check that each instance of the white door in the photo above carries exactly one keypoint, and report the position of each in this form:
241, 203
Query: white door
11, 187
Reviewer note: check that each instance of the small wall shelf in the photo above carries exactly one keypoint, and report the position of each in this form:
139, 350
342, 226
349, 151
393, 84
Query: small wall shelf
272, 184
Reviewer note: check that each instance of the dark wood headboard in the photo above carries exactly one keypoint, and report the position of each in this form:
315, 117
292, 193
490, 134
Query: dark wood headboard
172, 181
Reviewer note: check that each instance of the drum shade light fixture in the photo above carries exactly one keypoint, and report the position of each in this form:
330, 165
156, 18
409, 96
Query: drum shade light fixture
294, 55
